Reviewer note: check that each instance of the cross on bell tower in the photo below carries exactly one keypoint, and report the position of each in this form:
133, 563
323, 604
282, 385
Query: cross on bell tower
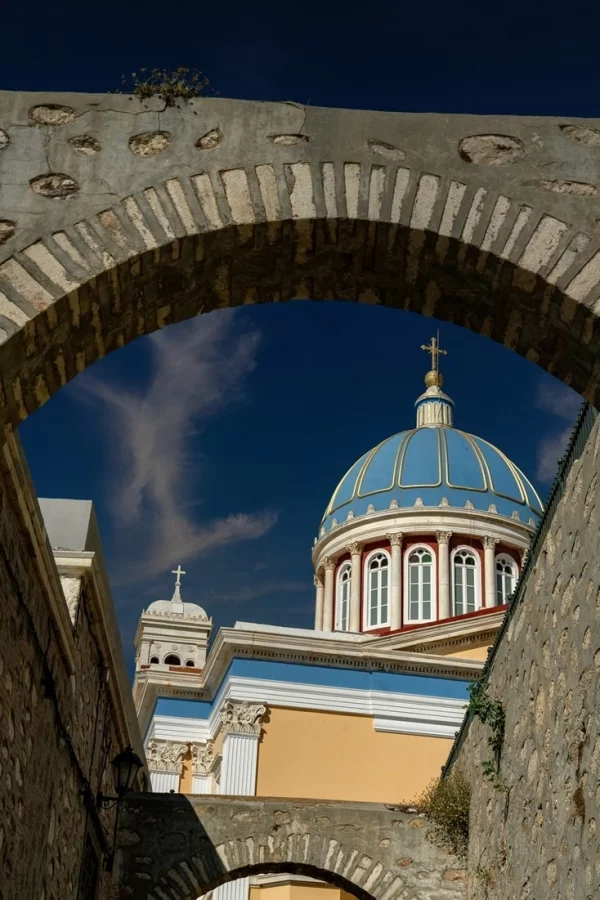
176, 598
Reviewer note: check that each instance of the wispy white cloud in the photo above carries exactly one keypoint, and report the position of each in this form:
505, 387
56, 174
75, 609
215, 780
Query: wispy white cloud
199, 369
560, 401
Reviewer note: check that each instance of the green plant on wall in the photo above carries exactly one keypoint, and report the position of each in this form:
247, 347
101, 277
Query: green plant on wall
446, 801
490, 712
169, 85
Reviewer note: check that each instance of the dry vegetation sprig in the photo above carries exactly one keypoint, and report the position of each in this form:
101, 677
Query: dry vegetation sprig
446, 802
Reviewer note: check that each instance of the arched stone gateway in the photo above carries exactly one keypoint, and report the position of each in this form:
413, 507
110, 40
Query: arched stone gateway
117, 218
172, 847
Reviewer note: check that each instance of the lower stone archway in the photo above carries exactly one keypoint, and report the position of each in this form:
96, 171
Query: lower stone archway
173, 847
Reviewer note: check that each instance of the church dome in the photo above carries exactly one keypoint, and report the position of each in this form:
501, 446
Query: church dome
168, 608
434, 465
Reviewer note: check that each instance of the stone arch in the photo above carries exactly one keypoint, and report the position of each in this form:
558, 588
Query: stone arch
176, 847
149, 216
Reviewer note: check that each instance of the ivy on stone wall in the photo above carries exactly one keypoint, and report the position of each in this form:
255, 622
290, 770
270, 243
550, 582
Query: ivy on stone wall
490, 712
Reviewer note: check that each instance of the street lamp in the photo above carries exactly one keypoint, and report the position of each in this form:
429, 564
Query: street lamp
126, 766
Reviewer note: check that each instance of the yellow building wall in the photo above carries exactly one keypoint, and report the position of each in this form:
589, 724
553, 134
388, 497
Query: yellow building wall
333, 756
298, 892
478, 653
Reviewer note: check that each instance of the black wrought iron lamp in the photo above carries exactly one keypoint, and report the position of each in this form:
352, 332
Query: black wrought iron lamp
126, 766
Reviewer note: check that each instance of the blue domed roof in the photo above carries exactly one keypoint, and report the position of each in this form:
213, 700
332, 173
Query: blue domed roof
434, 462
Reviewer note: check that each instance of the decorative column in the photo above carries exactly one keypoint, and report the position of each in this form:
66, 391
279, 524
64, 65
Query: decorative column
203, 758
443, 539
396, 581
489, 554
318, 582
165, 762
241, 726
355, 550
328, 596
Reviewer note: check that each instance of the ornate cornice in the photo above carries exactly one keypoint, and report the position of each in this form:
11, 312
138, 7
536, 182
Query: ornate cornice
165, 756
395, 538
203, 757
241, 717
489, 542
443, 537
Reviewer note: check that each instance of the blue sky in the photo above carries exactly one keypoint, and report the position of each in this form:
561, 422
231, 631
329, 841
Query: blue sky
218, 442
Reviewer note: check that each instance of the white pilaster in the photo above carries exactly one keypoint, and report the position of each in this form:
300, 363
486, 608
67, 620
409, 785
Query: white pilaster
355, 551
202, 784
241, 726
164, 782
396, 581
318, 581
443, 539
489, 555
328, 598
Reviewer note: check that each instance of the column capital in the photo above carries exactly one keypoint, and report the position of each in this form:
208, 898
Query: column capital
165, 756
242, 717
395, 538
443, 537
329, 563
490, 542
525, 557
203, 757
317, 580
354, 548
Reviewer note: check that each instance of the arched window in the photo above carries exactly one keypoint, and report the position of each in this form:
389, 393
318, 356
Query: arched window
465, 581
377, 572
172, 660
506, 578
154, 660
190, 663
420, 584
342, 603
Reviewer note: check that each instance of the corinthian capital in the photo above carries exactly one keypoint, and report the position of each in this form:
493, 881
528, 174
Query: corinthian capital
395, 538
241, 717
443, 537
489, 542
317, 581
329, 563
203, 756
165, 756
354, 548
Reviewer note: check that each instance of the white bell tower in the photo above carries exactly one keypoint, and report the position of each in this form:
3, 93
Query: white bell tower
172, 633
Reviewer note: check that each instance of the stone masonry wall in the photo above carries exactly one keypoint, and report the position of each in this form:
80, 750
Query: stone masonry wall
57, 730
539, 838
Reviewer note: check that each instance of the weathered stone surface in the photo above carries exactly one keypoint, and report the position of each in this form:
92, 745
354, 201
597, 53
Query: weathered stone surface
220, 838
539, 838
375, 207
491, 149
86, 144
55, 185
7, 229
57, 723
149, 144
51, 114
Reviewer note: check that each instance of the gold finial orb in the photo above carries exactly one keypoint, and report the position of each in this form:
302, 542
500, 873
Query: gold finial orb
434, 379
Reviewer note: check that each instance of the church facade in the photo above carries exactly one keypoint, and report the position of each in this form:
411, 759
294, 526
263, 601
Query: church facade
417, 555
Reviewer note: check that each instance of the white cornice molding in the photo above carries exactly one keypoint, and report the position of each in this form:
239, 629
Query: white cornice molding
400, 713
420, 520
333, 652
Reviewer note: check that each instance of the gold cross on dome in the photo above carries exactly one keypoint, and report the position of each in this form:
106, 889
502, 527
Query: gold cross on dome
179, 572
434, 350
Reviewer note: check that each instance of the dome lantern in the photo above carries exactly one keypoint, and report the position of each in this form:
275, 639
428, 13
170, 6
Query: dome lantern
434, 407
